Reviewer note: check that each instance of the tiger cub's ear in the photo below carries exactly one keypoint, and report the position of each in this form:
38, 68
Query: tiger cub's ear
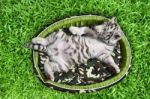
113, 20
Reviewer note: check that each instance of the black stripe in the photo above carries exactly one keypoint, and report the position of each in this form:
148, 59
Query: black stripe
105, 58
79, 58
54, 34
67, 40
55, 38
67, 66
82, 48
70, 54
65, 52
75, 51
32, 46
62, 36
100, 56
72, 39
73, 60
39, 47
67, 47
76, 42
87, 50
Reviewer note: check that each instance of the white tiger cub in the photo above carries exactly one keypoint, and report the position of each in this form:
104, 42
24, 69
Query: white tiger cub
66, 50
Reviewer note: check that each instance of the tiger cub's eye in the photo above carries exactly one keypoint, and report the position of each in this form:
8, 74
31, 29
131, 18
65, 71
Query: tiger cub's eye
117, 36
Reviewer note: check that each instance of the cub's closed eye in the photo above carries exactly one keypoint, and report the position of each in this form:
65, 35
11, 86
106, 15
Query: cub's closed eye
117, 36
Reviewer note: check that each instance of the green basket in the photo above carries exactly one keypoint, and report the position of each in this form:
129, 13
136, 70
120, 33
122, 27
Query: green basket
84, 20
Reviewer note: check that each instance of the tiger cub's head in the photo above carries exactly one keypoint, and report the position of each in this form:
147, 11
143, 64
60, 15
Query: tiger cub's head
109, 32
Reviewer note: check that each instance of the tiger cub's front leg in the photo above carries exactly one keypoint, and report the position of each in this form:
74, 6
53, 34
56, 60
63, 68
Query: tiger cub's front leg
106, 58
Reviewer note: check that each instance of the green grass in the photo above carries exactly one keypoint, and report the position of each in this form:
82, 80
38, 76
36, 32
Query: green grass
21, 20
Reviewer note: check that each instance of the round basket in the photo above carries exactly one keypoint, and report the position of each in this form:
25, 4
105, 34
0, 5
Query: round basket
84, 20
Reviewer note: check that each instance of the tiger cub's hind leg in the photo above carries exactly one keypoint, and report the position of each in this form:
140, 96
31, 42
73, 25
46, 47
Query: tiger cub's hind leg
38, 43
40, 40
50, 68
86, 31
78, 30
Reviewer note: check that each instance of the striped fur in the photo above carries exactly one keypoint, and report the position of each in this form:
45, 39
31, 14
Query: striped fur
64, 51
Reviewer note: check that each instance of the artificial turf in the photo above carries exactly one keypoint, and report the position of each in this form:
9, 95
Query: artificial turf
21, 20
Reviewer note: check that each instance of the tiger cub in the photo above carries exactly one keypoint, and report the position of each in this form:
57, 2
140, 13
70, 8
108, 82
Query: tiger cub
64, 51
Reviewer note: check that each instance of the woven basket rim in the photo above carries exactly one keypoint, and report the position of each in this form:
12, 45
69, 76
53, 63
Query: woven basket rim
96, 86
